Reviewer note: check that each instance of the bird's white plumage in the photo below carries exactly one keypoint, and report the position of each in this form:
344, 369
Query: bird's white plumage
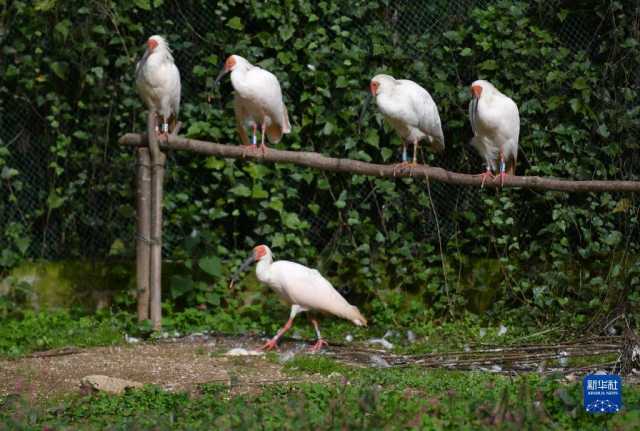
410, 110
258, 99
158, 79
305, 288
496, 125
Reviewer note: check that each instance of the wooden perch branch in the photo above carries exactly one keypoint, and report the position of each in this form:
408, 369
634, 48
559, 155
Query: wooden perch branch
318, 161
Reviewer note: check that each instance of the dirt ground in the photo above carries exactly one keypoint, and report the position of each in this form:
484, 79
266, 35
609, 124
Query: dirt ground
176, 366
182, 364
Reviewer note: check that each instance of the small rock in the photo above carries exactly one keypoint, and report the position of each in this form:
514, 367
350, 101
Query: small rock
110, 385
503, 330
379, 361
612, 330
384, 343
496, 368
563, 360
541, 366
348, 338
411, 336
131, 340
286, 356
571, 378
239, 351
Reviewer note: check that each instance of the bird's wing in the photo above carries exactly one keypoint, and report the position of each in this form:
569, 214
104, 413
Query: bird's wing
270, 94
175, 88
308, 288
426, 111
506, 112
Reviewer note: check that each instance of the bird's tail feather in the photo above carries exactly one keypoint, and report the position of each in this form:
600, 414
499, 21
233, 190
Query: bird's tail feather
437, 144
356, 317
275, 130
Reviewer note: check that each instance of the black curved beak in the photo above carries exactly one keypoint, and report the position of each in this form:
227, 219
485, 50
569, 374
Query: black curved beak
222, 73
367, 101
246, 264
474, 108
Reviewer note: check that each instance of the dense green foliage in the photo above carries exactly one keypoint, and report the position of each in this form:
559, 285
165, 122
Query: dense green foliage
555, 255
372, 400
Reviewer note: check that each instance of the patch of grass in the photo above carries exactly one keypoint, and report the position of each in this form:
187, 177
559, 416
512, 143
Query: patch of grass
42, 331
364, 399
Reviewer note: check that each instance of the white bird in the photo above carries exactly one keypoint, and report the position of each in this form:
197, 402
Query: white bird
158, 82
496, 127
301, 287
411, 111
258, 100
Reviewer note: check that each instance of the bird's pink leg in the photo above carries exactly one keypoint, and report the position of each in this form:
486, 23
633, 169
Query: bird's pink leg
405, 163
486, 174
263, 127
273, 343
320, 343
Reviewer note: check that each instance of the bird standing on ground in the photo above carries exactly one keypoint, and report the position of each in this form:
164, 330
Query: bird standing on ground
302, 287
158, 83
411, 111
496, 127
258, 100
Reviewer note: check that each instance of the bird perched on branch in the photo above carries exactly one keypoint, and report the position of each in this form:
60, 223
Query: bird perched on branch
158, 83
411, 111
258, 100
496, 127
302, 287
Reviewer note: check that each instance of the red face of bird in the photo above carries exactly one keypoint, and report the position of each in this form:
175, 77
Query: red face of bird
476, 91
374, 86
259, 252
229, 65
152, 44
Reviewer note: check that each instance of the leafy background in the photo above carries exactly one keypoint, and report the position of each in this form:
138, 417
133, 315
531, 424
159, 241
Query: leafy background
66, 95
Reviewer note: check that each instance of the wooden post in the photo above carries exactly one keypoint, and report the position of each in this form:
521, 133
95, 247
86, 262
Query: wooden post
143, 237
157, 176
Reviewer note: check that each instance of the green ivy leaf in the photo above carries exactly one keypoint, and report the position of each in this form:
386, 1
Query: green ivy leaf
55, 201
211, 265
235, 23
60, 68
143, 4
241, 190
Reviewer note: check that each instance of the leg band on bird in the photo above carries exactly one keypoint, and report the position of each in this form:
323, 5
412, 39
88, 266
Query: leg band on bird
320, 342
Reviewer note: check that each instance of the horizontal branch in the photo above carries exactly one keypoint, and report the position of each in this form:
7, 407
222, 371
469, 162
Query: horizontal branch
318, 161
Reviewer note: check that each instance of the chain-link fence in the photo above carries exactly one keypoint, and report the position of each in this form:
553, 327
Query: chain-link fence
27, 137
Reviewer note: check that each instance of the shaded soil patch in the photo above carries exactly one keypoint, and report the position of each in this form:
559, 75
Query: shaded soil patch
179, 366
